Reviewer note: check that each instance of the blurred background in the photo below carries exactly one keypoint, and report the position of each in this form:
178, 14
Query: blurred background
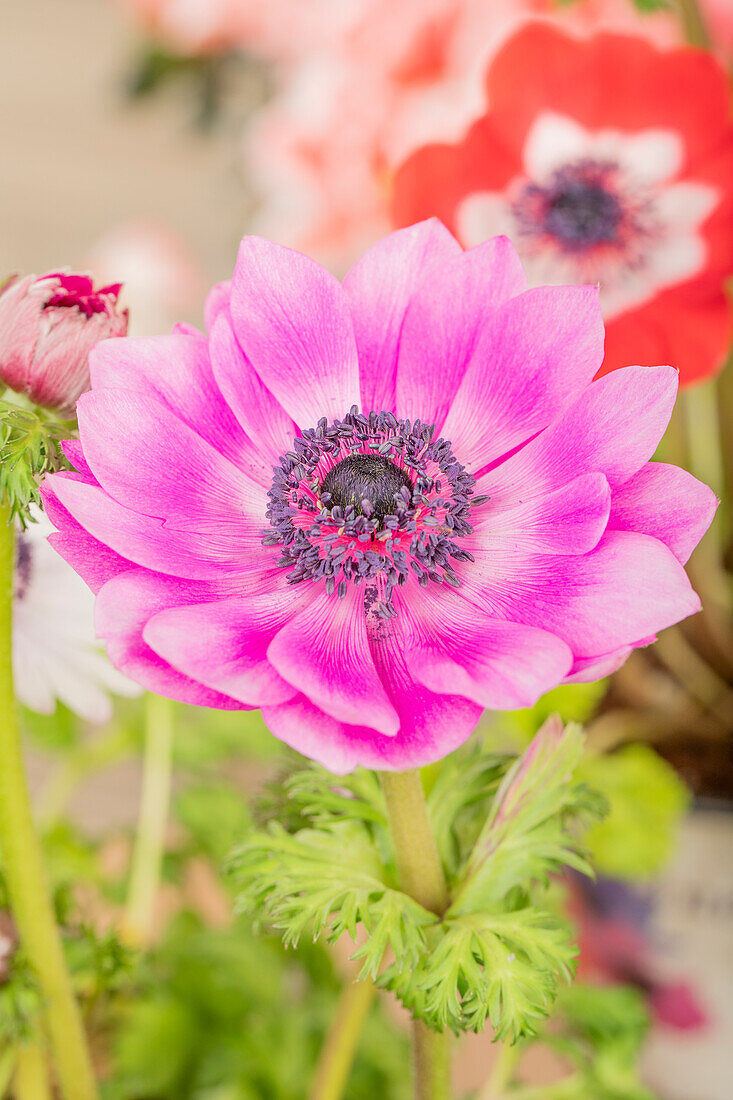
141, 141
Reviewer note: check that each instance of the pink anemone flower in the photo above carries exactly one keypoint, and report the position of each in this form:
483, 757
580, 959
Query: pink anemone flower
373, 509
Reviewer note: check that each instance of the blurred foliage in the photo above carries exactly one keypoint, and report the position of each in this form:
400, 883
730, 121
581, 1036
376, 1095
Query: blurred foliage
647, 800
206, 1018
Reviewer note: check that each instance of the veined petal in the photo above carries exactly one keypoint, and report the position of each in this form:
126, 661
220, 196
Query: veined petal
147, 541
379, 288
223, 644
666, 502
453, 648
324, 651
292, 320
569, 520
531, 360
150, 461
628, 588
614, 427
124, 606
262, 417
438, 339
177, 370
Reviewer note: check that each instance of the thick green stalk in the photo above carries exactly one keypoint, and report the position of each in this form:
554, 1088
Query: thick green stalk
24, 870
337, 1056
421, 876
149, 847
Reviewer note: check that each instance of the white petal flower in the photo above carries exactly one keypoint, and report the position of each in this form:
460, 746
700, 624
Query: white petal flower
55, 652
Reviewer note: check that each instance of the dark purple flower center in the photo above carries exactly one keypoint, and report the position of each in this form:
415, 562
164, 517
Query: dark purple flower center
368, 483
78, 292
370, 496
580, 208
23, 566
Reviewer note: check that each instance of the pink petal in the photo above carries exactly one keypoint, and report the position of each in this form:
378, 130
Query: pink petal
73, 450
614, 426
569, 520
531, 359
379, 287
217, 300
150, 461
177, 370
92, 560
628, 588
224, 644
291, 318
665, 502
453, 648
124, 605
263, 419
586, 670
324, 652
433, 727
146, 541
444, 322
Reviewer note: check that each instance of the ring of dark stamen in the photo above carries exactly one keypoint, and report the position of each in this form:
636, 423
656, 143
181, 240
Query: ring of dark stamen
333, 533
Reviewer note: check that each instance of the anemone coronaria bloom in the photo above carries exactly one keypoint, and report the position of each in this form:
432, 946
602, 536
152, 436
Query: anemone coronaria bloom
375, 508
48, 326
609, 161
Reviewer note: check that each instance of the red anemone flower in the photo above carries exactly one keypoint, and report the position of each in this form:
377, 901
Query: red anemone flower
605, 160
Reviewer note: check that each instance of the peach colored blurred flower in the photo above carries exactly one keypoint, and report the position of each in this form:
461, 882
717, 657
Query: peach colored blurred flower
320, 155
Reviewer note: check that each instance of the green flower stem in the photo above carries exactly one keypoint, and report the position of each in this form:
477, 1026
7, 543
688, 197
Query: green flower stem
337, 1056
693, 23
147, 857
8, 1057
421, 876
31, 1074
502, 1073
705, 453
23, 865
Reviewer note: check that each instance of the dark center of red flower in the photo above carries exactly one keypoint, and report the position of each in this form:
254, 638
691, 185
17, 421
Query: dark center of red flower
580, 207
583, 214
370, 483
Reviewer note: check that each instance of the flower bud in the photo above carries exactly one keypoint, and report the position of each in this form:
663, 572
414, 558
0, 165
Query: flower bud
48, 326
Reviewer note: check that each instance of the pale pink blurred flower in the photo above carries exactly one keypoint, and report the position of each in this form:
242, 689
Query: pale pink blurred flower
48, 326
405, 74
718, 16
162, 282
275, 29
194, 27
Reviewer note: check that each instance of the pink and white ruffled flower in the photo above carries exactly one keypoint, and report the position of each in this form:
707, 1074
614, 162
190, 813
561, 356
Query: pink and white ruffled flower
373, 509
48, 326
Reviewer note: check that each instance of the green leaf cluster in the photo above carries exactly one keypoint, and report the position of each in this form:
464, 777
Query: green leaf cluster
501, 950
30, 446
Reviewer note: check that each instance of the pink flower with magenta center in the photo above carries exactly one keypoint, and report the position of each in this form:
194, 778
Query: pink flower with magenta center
373, 509
48, 326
